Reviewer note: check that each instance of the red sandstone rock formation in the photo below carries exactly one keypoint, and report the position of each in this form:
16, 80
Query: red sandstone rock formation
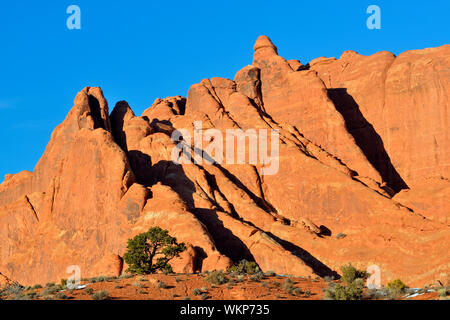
364, 151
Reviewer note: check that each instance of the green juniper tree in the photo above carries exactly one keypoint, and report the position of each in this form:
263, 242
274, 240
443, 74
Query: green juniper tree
151, 251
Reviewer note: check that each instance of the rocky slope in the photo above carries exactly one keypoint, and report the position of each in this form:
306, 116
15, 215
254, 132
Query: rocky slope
364, 152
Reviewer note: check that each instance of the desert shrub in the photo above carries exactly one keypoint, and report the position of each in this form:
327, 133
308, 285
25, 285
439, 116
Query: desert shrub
257, 277
288, 285
100, 295
352, 291
62, 296
139, 285
12, 289
168, 270
162, 285
143, 248
298, 291
196, 292
240, 278
350, 274
50, 290
341, 236
216, 277
205, 296
270, 273
31, 295
307, 294
89, 290
444, 292
377, 294
50, 284
37, 286
63, 283
396, 287
276, 283
244, 267
98, 279
126, 276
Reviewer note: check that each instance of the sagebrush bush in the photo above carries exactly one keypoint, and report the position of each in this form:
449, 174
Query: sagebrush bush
257, 277
270, 273
352, 291
31, 295
244, 267
298, 291
444, 292
126, 276
288, 285
100, 295
216, 277
62, 296
12, 289
50, 290
397, 287
99, 279
89, 290
350, 274
196, 292
205, 296
139, 285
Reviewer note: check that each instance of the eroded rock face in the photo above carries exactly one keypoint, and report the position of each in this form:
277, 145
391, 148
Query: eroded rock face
90, 111
430, 199
15, 186
394, 106
301, 99
354, 133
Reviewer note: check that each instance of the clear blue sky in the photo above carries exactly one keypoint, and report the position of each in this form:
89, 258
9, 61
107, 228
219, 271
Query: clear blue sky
141, 50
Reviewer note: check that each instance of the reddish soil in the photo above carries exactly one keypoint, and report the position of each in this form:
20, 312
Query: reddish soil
181, 287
